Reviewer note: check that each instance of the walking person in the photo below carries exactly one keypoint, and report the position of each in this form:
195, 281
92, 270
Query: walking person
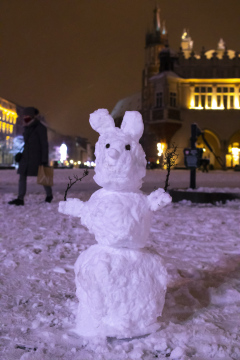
35, 153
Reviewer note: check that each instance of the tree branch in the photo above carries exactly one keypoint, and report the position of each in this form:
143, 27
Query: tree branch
71, 183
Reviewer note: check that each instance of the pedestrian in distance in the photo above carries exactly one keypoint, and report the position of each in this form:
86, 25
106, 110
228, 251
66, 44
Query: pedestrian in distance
35, 153
205, 164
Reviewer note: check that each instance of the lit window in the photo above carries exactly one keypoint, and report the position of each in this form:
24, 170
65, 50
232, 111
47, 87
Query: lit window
4, 116
209, 99
203, 101
3, 127
218, 101
159, 100
225, 101
196, 100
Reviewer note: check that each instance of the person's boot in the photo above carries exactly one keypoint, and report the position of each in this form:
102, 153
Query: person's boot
49, 199
17, 202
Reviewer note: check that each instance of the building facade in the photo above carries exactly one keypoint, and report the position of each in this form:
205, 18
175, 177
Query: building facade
181, 88
79, 149
8, 128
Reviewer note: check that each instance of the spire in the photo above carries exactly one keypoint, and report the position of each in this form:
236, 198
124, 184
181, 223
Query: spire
221, 45
164, 29
186, 43
156, 18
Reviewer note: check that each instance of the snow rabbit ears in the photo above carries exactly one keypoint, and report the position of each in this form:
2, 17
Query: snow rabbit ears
132, 124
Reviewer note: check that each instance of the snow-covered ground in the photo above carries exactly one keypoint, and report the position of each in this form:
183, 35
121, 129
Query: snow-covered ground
200, 245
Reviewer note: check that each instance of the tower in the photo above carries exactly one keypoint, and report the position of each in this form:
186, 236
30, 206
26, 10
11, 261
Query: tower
186, 44
155, 41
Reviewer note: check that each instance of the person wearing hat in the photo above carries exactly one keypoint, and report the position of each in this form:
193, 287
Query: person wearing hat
35, 153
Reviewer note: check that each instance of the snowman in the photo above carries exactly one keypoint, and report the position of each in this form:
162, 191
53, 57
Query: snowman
120, 283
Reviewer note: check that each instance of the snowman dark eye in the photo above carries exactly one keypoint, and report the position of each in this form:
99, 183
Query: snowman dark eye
107, 146
128, 147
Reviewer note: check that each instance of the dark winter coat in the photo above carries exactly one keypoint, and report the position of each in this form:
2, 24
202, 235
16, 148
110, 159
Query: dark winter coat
35, 150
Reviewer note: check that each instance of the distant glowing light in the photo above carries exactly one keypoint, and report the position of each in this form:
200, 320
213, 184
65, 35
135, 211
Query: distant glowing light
236, 102
71, 161
160, 148
192, 103
235, 153
63, 153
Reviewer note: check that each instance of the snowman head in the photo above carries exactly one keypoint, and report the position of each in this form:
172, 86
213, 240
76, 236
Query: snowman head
120, 159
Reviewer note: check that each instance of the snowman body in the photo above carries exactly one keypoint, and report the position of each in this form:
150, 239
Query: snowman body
120, 284
119, 219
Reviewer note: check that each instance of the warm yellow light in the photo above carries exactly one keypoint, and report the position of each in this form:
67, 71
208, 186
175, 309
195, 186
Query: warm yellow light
160, 147
75, 163
71, 161
184, 35
214, 104
235, 153
79, 162
7, 111
157, 162
228, 160
236, 102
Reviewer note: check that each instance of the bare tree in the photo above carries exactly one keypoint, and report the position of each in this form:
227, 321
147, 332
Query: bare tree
170, 160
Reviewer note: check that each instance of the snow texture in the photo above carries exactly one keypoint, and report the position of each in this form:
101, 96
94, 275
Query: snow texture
198, 242
111, 300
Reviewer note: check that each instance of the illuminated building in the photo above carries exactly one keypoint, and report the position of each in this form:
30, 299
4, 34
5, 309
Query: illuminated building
181, 88
8, 119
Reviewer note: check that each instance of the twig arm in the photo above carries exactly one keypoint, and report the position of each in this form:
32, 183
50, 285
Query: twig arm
71, 183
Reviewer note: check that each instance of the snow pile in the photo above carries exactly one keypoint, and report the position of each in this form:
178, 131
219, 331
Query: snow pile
214, 190
111, 303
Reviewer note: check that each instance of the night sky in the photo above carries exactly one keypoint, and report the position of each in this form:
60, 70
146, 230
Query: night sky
71, 57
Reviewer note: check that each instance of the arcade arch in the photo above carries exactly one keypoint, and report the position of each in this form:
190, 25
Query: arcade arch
233, 155
214, 142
